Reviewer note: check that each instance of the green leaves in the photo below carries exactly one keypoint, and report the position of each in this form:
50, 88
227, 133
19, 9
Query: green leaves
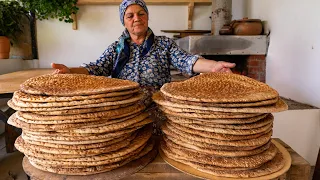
11, 16
12, 13
54, 9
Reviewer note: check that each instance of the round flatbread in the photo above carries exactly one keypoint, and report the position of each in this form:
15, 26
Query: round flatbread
253, 161
173, 112
67, 109
171, 142
210, 122
88, 102
74, 84
207, 139
279, 106
219, 88
111, 114
237, 105
43, 98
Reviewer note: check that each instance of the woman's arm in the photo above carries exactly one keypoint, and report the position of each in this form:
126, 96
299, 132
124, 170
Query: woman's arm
191, 64
204, 65
63, 69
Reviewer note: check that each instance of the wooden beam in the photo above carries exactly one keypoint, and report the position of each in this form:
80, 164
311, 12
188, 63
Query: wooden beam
162, 2
75, 21
190, 14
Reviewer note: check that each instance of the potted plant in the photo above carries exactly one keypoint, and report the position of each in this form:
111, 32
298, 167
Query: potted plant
57, 9
11, 15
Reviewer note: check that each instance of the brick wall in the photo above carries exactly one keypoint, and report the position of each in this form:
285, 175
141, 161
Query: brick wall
253, 66
256, 67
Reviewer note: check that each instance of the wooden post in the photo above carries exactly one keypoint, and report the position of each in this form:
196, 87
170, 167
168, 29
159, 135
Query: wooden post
221, 14
190, 14
75, 23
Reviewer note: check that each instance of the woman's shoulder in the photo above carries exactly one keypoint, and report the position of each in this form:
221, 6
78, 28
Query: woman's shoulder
164, 40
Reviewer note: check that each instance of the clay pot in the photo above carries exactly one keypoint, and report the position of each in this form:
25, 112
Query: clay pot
226, 30
4, 47
247, 26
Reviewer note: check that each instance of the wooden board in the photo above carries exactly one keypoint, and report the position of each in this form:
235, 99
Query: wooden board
194, 172
300, 168
119, 173
11, 82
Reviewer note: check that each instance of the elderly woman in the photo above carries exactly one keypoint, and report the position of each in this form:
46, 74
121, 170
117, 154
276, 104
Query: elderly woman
142, 57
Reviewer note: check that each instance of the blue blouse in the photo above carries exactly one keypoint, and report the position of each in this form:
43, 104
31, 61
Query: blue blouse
153, 69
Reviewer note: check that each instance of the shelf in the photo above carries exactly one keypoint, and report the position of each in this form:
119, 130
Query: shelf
157, 2
190, 3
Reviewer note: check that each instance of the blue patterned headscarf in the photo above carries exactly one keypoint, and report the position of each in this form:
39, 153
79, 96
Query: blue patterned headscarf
126, 3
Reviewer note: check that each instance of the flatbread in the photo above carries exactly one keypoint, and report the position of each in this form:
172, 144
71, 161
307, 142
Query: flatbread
88, 102
171, 142
111, 114
76, 111
253, 161
43, 98
20, 144
237, 105
133, 126
141, 139
204, 112
76, 164
245, 127
206, 140
107, 135
279, 106
66, 110
207, 115
44, 155
276, 164
48, 127
68, 141
91, 169
115, 126
239, 132
56, 129
125, 137
213, 147
74, 84
219, 88
216, 121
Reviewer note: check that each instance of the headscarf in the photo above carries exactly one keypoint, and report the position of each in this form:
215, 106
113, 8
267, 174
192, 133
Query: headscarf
124, 5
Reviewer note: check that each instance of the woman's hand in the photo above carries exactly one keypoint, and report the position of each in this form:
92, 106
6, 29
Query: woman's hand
204, 65
60, 69
222, 66
63, 69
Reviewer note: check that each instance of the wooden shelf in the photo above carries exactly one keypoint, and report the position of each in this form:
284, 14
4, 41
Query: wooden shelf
190, 3
157, 2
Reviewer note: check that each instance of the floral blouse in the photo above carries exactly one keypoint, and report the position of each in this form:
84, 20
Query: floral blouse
153, 69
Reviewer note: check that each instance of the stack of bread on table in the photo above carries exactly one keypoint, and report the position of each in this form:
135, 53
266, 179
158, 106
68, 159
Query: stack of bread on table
221, 124
80, 124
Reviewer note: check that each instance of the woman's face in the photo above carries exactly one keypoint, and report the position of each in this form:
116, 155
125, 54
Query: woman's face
136, 20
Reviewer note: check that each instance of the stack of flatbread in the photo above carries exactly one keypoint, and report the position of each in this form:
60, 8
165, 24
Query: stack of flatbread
221, 124
80, 124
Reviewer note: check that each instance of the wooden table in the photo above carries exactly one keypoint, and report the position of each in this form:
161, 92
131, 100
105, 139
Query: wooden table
9, 83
